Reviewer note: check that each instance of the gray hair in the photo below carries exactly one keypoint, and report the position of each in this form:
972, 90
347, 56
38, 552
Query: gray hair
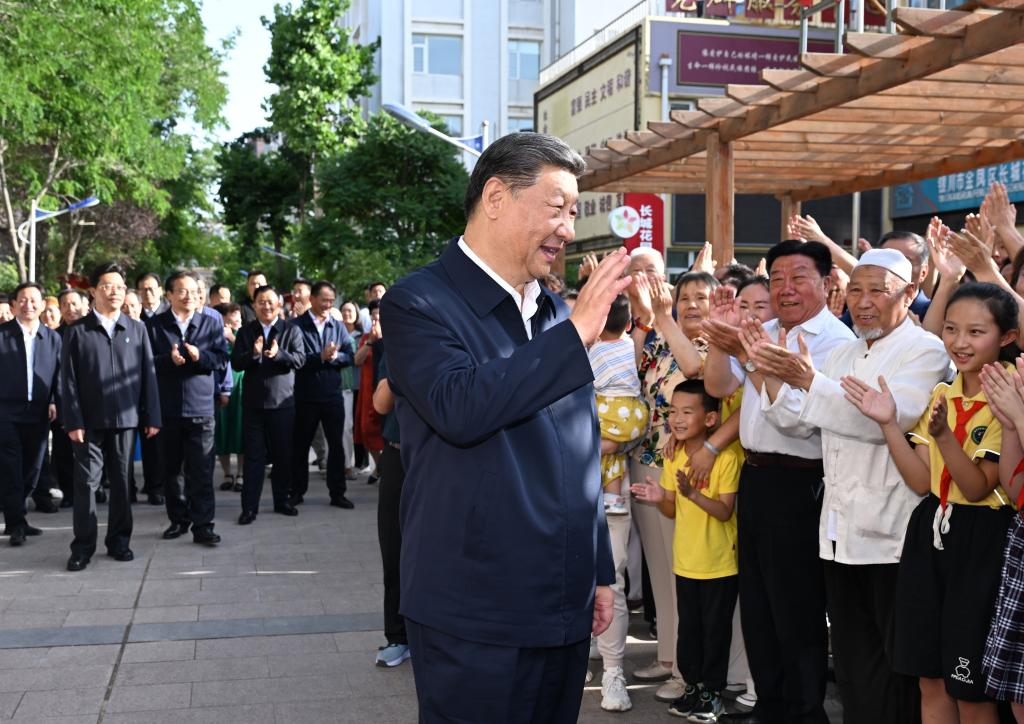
517, 160
919, 243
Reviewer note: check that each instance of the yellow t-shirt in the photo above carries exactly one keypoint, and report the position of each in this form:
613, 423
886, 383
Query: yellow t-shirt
704, 547
984, 439
730, 406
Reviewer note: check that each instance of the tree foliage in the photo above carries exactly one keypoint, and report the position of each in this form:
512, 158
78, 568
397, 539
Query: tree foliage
93, 92
390, 202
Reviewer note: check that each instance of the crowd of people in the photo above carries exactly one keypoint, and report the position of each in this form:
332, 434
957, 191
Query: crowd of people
178, 377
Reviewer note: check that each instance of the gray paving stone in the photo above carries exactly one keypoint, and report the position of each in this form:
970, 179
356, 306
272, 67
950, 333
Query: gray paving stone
166, 614
66, 702
159, 651
255, 714
269, 691
58, 656
79, 676
170, 672
389, 710
18, 620
109, 617
221, 611
153, 697
83, 602
197, 630
9, 701
367, 640
71, 636
83, 719
265, 646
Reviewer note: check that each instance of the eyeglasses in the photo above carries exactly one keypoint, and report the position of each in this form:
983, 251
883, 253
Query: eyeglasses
111, 287
183, 293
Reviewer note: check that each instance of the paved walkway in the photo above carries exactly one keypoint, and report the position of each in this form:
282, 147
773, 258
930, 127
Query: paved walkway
277, 624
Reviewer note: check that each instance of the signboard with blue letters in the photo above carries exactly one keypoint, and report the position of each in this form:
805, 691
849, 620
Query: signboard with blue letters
956, 191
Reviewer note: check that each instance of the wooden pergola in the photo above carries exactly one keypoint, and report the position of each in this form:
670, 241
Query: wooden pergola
944, 95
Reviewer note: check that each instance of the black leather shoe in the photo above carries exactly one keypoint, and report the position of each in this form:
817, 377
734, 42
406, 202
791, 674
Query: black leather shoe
29, 530
101, 496
205, 537
342, 502
227, 484
65, 503
18, 537
176, 530
296, 500
125, 555
155, 499
285, 509
46, 506
75, 563
246, 517
372, 480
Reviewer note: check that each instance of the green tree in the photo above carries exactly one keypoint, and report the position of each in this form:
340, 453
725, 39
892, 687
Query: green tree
92, 94
390, 202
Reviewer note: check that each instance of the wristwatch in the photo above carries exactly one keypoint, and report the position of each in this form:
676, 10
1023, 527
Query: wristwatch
749, 366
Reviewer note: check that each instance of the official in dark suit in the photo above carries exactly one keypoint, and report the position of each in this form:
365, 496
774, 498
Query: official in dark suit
30, 367
254, 281
108, 389
188, 350
506, 561
269, 350
318, 397
150, 289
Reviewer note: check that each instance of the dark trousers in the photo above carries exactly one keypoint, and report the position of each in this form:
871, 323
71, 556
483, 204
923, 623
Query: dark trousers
782, 591
705, 629
152, 477
860, 608
109, 451
362, 458
62, 461
467, 681
267, 437
22, 446
389, 533
307, 416
186, 443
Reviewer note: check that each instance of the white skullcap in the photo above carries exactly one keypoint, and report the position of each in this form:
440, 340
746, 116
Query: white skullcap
889, 259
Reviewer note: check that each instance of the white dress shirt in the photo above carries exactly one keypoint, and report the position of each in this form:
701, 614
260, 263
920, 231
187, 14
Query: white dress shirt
528, 301
320, 325
867, 505
784, 433
182, 324
29, 335
108, 322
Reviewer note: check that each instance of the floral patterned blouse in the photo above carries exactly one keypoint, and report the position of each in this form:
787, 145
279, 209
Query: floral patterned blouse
659, 375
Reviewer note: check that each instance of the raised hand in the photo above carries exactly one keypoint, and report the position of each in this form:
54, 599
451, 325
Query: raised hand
806, 228
998, 209
176, 357
683, 484
705, 260
329, 352
272, 352
877, 405
725, 307
607, 282
762, 268
588, 265
970, 250
648, 491
863, 245
795, 369
661, 301
948, 263
979, 225
640, 303
938, 422
1004, 391
257, 346
192, 351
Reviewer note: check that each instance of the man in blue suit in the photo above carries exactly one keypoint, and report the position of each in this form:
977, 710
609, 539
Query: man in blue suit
29, 366
506, 562
188, 351
318, 397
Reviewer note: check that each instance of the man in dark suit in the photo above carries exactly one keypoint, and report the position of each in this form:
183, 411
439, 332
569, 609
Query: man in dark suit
29, 366
150, 289
318, 397
188, 350
269, 350
108, 389
254, 281
506, 561
151, 295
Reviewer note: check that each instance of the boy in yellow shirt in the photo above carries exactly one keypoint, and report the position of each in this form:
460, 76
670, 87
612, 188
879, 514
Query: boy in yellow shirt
703, 551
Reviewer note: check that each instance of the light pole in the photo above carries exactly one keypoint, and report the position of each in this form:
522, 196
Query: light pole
416, 122
289, 257
27, 230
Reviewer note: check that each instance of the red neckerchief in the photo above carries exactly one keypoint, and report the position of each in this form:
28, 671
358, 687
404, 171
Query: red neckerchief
960, 432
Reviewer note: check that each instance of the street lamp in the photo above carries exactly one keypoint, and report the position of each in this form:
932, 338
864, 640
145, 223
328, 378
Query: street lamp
410, 118
27, 230
289, 257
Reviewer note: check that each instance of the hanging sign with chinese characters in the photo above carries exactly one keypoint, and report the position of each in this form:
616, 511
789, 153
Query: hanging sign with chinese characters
957, 191
711, 59
651, 231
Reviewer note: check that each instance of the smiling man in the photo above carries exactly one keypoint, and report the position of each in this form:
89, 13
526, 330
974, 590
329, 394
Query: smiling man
866, 507
505, 555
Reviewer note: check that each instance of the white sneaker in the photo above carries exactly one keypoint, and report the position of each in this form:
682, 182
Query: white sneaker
654, 672
594, 653
614, 696
589, 677
671, 689
617, 506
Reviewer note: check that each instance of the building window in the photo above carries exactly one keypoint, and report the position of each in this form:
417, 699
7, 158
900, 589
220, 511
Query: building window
523, 60
437, 54
520, 124
454, 124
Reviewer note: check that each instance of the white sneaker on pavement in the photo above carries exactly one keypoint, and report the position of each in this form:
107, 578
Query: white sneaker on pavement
614, 696
654, 672
671, 689
589, 678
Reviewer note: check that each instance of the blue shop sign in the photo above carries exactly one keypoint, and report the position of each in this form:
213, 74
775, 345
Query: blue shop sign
956, 191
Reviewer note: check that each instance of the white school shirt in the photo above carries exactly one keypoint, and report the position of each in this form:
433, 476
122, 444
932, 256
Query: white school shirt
768, 427
29, 335
528, 302
867, 505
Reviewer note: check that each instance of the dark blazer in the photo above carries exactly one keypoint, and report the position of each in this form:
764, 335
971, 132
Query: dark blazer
269, 383
503, 530
248, 313
14, 404
319, 381
108, 383
187, 390
161, 308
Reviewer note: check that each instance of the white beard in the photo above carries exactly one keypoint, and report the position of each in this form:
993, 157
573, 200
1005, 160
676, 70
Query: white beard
869, 335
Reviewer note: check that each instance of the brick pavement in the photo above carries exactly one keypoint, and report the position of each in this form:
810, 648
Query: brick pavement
278, 624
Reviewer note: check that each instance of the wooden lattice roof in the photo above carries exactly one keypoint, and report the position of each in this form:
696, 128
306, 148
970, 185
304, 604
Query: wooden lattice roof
943, 95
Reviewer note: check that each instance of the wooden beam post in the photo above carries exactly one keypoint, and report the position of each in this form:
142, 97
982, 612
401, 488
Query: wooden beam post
719, 199
790, 208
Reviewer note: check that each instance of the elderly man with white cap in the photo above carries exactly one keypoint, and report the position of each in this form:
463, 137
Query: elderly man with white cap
866, 505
